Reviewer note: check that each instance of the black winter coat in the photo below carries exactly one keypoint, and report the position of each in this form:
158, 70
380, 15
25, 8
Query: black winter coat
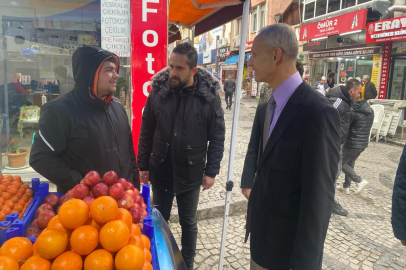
362, 118
178, 131
78, 132
399, 200
341, 100
370, 91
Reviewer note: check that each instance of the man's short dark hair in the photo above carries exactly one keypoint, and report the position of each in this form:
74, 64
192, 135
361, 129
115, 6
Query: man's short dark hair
299, 67
353, 83
112, 59
189, 51
61, 71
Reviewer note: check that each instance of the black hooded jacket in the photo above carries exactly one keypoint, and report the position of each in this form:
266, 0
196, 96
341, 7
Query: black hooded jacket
179, 130
79, 132
362, 118
341, 100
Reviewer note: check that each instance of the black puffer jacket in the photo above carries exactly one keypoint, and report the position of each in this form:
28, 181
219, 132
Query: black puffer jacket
362, 118
175, 131
79, 132
399, 200
341, 100
370, 91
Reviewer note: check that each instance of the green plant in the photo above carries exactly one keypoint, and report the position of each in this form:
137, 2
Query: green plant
14, 146
121, 84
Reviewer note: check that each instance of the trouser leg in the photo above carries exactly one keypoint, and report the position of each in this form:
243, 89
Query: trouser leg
162, 201
348, 166
339, 167
187, 208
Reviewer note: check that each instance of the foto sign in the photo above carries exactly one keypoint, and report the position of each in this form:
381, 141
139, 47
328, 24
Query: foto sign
353, 21
149, 36
386, 30
385, 70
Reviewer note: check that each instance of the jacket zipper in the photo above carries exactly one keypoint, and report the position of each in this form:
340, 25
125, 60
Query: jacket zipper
115, 139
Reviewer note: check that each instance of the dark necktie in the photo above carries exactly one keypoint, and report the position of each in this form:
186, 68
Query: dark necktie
270, 108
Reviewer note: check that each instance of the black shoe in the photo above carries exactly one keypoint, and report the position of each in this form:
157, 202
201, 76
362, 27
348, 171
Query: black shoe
338, 209
226, 107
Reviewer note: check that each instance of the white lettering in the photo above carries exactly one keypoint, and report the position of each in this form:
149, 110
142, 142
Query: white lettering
145, 10
378, 27
150, 59
395, 24
145, 38
145, 88
403, 21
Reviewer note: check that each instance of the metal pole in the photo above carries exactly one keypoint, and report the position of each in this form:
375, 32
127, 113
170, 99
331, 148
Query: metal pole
217, 54
229, 185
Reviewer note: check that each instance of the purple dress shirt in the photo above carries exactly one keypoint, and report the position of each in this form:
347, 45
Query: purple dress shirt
282, 95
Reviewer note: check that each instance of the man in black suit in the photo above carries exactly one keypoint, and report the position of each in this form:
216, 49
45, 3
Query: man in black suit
292, 195
229, 88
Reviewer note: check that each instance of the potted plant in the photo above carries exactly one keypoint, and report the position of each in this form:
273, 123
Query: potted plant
16, 156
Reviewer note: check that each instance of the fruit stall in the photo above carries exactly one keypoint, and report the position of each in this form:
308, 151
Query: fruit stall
101, 223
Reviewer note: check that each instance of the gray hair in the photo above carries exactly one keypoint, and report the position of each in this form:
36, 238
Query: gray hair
281, 36
366, 77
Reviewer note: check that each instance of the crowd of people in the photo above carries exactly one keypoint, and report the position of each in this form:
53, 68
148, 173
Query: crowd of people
302, 138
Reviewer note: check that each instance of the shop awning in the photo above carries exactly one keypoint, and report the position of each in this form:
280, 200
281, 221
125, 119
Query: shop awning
232, 60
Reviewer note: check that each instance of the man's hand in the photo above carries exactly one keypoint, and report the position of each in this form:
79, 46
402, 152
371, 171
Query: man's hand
403, 242
144, 176
246, 192
207, 182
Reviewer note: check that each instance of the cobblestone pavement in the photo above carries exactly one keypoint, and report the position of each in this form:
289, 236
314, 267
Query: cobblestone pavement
362, 240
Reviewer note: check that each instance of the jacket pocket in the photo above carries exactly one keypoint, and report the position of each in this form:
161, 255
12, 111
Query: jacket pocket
158, 154
195, 164
284, 155
160, 119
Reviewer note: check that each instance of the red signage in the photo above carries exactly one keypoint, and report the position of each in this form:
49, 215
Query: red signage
346, 23
149, 36
385, 70
386, 30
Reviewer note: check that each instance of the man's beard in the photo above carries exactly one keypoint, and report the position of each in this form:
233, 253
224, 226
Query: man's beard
177, 84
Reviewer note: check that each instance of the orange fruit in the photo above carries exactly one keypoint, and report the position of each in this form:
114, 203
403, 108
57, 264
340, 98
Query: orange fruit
104, 209
136, 240
135, 229
68, 261
146, 241
36, 263
55, 224
19, 248
73, 213
114, 235
84, 239
51, 243
125, 216
147, 255
8, 263
99, 260
93, 223
34, 249
147, 266
130, 257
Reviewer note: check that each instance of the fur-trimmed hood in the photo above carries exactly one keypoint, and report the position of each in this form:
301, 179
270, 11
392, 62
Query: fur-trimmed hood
208, 86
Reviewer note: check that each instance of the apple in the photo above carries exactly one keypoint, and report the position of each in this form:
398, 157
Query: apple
110, 178
88, 200
139, 199
136, 191
144, 213
101, 189
43, 207
116, 191
126, 201
80, 191
92, 178
44, 217
135, 214
32, 232
65, 199
136, 205
123, 182
144, 206
130, 186
34, 223
130, 192
52, 199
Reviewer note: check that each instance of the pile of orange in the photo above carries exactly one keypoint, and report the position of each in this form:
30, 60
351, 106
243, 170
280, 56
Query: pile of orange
101, 237
15, 196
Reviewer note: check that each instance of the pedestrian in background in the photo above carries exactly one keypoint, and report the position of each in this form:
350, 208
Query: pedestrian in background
368, 88
399, 201
229, 89
322, 86
362, 118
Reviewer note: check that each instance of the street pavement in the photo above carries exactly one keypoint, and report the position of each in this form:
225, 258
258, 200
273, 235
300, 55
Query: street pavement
362, 240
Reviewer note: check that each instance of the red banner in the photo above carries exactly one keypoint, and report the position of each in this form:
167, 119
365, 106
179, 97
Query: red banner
385, 70
353, 21
386, 30
149, 38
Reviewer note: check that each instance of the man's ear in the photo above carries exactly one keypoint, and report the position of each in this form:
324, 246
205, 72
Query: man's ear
278, 55
194, 70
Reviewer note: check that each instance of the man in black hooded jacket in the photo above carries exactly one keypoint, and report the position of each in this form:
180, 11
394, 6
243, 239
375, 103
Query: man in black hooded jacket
341, 98
182, 140
86, 129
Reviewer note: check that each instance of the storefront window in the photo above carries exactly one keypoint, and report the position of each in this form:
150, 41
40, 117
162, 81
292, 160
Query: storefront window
317, 70
398, 84
321, 6
349, 3
36, 48
333, 5
309, 11
364, 66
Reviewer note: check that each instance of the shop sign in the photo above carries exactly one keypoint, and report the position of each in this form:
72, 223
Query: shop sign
115, 26
207, 57
386, 30
248, 46
385, 70
149, 35
317, 45
223, 53
376, 69
337, 25
345, 53
229, 67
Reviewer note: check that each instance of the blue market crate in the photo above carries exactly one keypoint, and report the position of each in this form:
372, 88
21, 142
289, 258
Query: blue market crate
148, 226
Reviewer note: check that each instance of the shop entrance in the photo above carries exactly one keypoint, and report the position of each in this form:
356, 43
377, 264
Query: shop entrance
398, 79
